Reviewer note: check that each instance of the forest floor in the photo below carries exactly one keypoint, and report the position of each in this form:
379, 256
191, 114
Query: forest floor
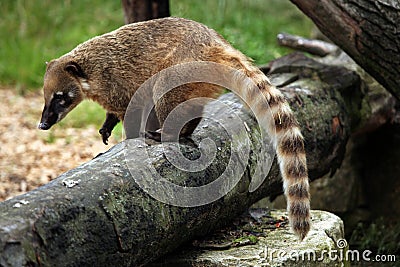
30, 157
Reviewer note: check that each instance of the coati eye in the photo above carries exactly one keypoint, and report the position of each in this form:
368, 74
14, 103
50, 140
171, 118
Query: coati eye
61, 99
64, 101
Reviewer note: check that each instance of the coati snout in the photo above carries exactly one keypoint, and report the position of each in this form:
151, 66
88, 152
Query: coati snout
62, 91
59, 106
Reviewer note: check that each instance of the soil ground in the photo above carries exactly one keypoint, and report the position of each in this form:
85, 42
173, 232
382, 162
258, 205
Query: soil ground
29, 157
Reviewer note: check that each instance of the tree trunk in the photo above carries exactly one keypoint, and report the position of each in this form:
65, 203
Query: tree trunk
141, 10
367, 30
97, 214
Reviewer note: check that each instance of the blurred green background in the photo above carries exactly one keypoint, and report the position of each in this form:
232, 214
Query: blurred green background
35, 31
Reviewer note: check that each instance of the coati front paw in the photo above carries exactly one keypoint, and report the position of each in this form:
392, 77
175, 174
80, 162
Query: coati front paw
105, 133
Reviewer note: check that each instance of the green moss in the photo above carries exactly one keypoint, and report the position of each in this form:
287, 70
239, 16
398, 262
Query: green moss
30, 250
251, 239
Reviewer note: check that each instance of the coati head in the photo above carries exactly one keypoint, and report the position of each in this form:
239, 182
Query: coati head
62, 88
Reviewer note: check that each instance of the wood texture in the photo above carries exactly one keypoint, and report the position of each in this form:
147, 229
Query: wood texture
369, 31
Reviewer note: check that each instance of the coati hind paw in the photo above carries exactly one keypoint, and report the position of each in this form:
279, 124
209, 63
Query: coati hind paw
156, 136
105, 133
159, 136
153, 135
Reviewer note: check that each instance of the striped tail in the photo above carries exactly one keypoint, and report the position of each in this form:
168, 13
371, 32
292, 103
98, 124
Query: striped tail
290, 153
289, 140
292, 162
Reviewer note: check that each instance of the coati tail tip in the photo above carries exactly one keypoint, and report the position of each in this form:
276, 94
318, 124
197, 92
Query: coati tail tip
300, 224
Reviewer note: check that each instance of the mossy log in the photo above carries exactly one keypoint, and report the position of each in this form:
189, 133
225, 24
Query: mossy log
98, 215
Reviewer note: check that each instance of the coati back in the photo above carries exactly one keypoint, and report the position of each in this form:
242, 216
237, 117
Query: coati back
110, 68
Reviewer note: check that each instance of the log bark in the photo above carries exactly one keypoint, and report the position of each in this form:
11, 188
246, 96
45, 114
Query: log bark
367, 30
97, 214
141, 10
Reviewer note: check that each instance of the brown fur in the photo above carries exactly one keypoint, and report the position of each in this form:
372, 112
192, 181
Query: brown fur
108, 69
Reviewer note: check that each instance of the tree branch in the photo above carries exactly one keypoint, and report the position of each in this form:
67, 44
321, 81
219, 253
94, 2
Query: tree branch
314, 47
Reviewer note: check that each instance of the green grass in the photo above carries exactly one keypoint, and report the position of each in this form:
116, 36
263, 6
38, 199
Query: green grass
35, 31
89, 112
249, 25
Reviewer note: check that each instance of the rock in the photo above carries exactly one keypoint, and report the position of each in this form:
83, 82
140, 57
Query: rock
274, 246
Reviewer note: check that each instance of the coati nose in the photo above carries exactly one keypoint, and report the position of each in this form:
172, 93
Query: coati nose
43, 126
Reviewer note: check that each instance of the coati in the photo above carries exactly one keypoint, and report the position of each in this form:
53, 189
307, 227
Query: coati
109, 69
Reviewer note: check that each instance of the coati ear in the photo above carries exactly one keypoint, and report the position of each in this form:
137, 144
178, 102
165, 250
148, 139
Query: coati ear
75, 69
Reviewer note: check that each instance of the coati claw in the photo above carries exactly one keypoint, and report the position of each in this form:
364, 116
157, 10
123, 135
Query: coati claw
108, 126
105, 134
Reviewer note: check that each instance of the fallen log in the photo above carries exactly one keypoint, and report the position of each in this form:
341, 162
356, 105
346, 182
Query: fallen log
97, 214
